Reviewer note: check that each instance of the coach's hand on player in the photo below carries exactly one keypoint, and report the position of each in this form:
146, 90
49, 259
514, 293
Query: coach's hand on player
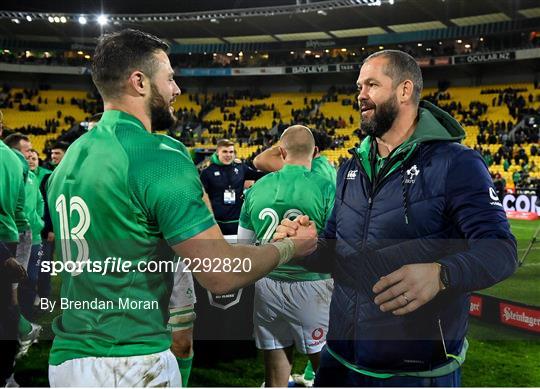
14, 270
408, 288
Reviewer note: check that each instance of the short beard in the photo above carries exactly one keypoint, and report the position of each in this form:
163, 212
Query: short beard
384, 116
161, 117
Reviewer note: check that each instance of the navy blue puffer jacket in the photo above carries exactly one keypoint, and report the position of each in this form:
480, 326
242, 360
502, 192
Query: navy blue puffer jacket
433, 201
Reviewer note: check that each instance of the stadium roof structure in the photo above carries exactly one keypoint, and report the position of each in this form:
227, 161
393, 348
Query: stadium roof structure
241, 21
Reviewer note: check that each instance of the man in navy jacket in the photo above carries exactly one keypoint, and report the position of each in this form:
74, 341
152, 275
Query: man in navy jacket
416, 226
224, 182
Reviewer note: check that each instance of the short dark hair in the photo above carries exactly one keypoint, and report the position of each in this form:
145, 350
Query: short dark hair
400, 67
14, 140
60, 145
224, 143
322, 139
118, 54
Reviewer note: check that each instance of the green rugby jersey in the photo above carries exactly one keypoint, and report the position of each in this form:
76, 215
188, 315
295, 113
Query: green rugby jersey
34, 207
322, 166
291, 191
11, 175
20, 216
40, 173
119, 192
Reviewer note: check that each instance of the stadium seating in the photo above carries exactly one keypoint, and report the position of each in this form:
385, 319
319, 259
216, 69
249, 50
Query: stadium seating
284, 103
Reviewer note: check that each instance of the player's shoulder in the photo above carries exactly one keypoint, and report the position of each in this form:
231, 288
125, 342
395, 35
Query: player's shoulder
168, 141
8, 155
268, 179
320, 181
262, 184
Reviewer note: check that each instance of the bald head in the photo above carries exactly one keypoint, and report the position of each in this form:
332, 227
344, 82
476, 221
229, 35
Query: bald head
298, 142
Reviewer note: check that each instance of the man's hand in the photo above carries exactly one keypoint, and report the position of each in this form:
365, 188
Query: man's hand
14, 270
303, 233
408, 288
289, 228
305, 239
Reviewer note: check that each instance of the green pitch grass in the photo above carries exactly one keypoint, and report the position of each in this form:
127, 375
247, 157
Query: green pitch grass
497, 356
524, 285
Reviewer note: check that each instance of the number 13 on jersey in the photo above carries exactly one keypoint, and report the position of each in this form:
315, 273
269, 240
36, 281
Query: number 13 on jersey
75, 234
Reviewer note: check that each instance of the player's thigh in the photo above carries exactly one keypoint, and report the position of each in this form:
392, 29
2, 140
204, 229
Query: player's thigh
270, 329
24, 248
309, 314
159, 369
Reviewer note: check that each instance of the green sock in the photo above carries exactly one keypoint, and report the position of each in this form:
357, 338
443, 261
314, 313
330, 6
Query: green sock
309, 374
24, 326
184, 364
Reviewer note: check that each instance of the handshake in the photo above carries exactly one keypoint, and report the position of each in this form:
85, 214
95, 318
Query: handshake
301, 231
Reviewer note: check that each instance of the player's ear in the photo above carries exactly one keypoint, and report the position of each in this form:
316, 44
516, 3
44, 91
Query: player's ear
283, 152
139, 83
315, 151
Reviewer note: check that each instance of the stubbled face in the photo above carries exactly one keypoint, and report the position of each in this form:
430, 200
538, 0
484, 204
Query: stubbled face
377, 98
33, 160
164, 91
226, 155
57, 155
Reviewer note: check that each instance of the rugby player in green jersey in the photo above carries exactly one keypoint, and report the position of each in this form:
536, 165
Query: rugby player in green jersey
122, 192
271, 160
28, 222
291, 303
11, 270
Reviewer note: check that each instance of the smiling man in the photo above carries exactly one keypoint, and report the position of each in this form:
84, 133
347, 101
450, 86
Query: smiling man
413, 231
122, 191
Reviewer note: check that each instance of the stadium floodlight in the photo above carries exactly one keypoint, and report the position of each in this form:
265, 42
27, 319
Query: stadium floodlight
82, 20
63, 19
29, 18
102, 20
15, 20
51, 19
56, 19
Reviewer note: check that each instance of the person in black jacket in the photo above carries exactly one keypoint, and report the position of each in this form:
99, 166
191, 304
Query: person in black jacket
224, 182
417, 225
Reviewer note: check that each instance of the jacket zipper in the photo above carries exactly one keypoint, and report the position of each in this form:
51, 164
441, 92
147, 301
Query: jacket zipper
370, 199
375, 187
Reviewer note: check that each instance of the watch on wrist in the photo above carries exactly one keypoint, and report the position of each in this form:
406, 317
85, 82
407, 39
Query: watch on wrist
444, 276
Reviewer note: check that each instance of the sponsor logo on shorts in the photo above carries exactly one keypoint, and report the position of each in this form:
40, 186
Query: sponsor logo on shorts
317, 333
